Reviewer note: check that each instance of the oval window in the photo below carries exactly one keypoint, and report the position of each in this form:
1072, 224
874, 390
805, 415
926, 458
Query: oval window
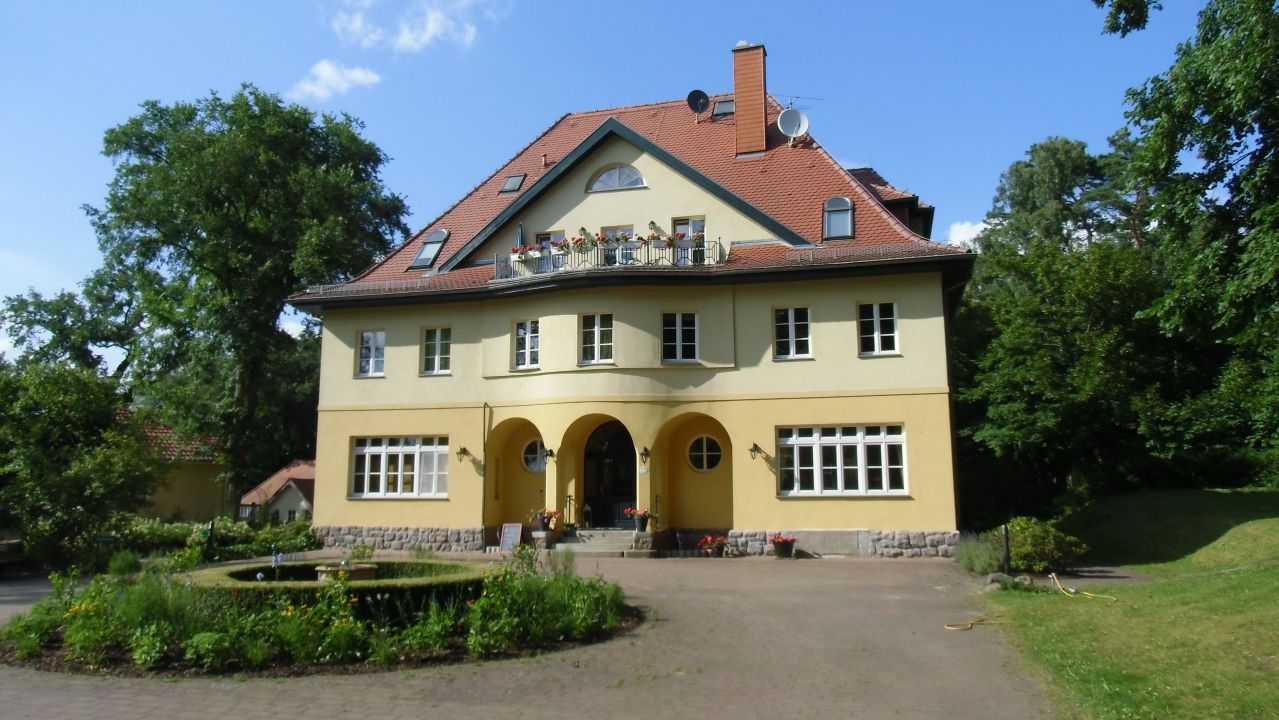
617, 178
704, 453
535, 456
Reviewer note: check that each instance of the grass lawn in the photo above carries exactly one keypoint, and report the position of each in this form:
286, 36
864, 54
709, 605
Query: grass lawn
1200, 641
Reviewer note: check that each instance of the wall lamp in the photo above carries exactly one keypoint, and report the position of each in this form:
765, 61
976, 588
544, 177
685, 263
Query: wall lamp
645, 455
755, 450
550, 454
462, 452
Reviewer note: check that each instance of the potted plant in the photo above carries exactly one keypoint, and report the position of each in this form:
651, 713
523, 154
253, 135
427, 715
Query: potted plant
713, 545
544, 517
783, 545
641, 516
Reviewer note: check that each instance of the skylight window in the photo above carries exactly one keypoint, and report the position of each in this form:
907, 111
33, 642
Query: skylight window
430, 249
513, 183
621, 177
724, 107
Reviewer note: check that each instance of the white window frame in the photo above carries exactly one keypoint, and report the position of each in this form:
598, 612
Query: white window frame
875, 454
372, 364
680, 326
792, 336
529, 356
619, 254
437, 351
594, 341
837, 206
379, 470
597, 177
877, 336
539, 456
689, 255
705, 454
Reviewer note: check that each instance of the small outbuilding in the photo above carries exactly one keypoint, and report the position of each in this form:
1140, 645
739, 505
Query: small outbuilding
286, 496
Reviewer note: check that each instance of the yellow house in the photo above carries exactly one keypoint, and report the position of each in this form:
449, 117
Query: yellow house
681, 307
191, 489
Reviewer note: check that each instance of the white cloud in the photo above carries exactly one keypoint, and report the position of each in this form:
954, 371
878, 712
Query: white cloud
963, 233
354, 29
429, 23
417, 27
328, 78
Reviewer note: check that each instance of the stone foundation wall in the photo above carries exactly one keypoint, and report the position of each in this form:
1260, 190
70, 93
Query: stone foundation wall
858, 543
403, 538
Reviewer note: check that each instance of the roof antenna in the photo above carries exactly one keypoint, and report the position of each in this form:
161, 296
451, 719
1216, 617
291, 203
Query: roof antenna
698, 101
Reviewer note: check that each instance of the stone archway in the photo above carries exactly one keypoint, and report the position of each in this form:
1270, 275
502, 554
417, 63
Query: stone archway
608, 475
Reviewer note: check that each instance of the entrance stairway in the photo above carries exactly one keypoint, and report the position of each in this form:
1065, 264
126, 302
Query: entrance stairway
598, 543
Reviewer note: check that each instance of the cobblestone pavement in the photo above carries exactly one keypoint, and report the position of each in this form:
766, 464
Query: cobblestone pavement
732, 638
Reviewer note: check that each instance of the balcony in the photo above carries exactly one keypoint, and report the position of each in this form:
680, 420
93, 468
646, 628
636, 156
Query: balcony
682, 254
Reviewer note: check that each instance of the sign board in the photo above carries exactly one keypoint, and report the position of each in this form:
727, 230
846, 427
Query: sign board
510, 537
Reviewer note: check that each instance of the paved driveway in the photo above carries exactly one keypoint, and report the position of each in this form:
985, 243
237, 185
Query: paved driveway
735, 638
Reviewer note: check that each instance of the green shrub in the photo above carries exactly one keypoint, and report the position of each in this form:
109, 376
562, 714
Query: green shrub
979, 554
209, 650
435, 632
1038, 546
520, 607
124, 562
150, 645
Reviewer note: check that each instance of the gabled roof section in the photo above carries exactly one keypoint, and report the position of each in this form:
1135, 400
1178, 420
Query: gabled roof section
612, 127
786, 185
299, 474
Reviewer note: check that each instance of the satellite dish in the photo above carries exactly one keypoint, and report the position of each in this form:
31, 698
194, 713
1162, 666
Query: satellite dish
793, 123
698, 101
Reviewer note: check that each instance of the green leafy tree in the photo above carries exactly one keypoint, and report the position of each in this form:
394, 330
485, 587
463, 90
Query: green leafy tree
70, 457
219, 210
1059, 370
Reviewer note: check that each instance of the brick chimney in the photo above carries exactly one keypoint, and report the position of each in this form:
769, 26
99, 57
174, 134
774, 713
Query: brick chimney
748, 94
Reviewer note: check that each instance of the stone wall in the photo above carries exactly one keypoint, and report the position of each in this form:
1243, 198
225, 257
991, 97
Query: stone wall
857, 543
403, 538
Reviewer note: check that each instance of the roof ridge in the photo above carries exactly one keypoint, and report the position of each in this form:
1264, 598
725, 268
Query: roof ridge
636, 106
459, 201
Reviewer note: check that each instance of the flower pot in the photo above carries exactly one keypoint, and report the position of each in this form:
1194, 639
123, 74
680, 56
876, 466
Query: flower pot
784, 549
641, 523
545, 523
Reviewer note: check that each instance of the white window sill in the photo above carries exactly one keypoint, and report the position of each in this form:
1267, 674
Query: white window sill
597, 363
525, 368
879, 355
694, 361
369, 377
813, 494
397, 497
435, 374
790, 358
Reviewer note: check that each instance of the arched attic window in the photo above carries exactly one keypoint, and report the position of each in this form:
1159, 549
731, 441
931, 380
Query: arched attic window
618, 177
837, 217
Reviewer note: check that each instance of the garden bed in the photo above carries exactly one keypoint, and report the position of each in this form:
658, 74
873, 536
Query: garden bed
224, 619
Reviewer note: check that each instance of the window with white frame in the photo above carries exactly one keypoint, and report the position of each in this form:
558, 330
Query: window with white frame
400, 467
597, 339
371, 361
837, 218
877, 328
527, 344
688, 231
841, 460
620, 177
436, 347
679, 337
535, 456
704, 453
615, 254
790, 333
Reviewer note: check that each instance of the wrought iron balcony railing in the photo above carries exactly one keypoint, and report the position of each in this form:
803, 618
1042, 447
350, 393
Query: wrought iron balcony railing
684, 254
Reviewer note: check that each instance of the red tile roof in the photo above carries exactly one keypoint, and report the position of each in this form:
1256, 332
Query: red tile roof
789, 184
175, 448
299, 473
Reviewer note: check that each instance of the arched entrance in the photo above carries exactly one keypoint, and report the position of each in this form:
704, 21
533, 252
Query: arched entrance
608, 475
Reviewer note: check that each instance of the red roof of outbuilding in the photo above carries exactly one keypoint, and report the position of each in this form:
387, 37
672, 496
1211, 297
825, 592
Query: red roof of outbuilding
299, 473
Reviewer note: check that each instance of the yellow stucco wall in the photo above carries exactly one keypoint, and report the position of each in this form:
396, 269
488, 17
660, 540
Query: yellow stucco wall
190, 492
739, 394
667, 195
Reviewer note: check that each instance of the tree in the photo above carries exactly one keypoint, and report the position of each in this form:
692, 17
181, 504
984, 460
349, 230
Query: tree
1125, 16
70, 458
219, 210
1208, 147
1059, 370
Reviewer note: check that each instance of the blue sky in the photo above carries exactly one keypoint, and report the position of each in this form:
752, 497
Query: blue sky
939, 97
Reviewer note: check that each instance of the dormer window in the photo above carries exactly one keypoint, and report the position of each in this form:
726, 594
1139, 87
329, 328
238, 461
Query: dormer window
513, 183
430, 249
838, 218
724, 108
619, 177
